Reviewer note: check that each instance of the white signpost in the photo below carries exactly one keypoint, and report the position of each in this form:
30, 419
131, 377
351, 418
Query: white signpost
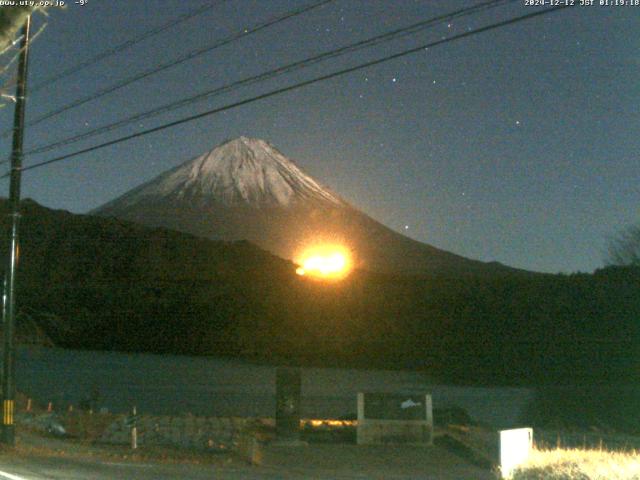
515, 448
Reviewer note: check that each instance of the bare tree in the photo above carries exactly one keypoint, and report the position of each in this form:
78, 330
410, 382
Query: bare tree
625, 248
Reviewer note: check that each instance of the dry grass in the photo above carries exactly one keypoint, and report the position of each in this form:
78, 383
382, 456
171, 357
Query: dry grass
32, 444
564, 464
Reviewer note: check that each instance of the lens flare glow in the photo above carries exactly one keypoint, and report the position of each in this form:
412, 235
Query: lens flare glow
327, 261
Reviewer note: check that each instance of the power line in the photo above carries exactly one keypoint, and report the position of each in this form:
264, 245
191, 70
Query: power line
297, 86
376, 40
188, 56
125, 45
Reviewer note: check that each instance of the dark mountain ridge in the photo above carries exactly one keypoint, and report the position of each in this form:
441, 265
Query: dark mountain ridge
101, 283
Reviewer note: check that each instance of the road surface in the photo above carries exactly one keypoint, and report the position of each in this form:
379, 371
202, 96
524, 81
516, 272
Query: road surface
330, 462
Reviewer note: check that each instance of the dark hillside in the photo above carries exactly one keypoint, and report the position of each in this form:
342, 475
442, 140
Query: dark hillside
98, 283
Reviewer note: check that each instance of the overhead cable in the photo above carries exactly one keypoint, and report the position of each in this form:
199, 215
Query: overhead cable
207, 94
164, 66
125, 45
298, 85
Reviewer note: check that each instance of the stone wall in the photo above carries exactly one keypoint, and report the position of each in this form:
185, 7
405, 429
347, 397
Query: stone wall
201, 433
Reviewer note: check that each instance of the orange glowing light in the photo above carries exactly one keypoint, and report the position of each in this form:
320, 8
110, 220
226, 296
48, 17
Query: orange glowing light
329, 423
327, 261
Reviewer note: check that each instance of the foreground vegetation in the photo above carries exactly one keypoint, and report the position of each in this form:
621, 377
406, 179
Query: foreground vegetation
563, 464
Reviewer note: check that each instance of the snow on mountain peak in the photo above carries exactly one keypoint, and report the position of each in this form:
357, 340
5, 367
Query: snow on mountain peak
242, 171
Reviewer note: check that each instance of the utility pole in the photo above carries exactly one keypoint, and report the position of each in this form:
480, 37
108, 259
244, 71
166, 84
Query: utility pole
8, 311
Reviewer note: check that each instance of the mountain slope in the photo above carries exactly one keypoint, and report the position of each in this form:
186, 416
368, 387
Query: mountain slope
245, 189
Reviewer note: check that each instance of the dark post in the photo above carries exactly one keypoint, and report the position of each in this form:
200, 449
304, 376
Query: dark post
288, 386
9, 314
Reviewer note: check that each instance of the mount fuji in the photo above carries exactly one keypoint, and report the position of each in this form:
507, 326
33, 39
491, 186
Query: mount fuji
245, 189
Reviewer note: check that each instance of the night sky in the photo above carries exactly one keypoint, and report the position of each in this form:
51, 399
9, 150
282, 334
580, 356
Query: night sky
518, 145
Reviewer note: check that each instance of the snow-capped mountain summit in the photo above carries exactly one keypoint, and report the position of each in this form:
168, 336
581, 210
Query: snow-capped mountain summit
245, 189
244, 172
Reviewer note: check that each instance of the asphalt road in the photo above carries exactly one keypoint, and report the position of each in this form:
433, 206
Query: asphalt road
72, 469
330, 463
